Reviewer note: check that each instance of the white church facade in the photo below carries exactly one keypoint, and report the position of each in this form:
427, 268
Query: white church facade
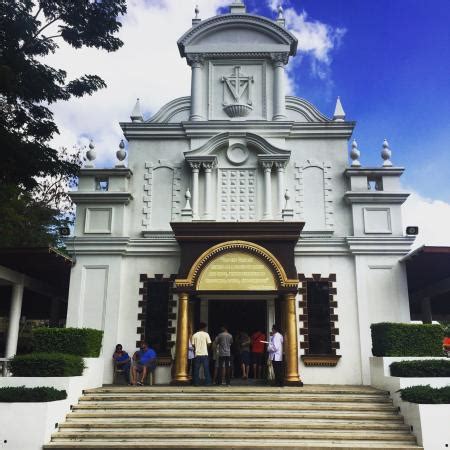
239, 206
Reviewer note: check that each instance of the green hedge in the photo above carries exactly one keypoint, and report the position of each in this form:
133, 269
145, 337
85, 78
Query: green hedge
85, 342
46, 365
426, 394
38, 394
421, 368
405, 339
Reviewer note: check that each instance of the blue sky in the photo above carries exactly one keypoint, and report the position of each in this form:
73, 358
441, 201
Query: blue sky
392, 71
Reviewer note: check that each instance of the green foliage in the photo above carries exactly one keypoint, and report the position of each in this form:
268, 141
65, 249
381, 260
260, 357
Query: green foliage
85, 342
23, 394
426, 394
421, 368
46, 365
405, 339
30, 30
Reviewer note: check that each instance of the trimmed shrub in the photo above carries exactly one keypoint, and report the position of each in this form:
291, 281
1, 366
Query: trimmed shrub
426, 394
46, 365
406, 339
85, 342
37, 394
421, 368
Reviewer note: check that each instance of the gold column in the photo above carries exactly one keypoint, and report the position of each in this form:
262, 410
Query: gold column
292, 375
181, 350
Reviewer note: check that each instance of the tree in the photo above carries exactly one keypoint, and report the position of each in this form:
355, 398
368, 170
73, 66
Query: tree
30, 30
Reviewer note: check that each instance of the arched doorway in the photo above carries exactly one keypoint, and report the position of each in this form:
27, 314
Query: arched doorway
238, 272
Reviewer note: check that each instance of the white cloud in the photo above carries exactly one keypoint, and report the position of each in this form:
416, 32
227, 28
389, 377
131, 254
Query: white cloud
148, 66
315, 39
431, 216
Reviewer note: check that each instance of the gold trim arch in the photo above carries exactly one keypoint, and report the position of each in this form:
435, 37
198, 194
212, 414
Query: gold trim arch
246, 246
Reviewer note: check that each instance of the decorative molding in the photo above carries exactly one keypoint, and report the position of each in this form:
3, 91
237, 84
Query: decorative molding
117, 172
373, 245
150, 167
80, 197
320, 360
170, 109
249, 20
251, 247
303, 317
399, 198
299, 200
237, 194
306, 109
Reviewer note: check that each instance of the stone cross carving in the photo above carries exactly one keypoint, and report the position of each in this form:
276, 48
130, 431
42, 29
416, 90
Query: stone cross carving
237, 85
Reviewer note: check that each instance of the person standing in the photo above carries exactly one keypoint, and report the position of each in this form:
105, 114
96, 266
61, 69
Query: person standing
200, 342
223, 342
244, 353
258, 344
275, 349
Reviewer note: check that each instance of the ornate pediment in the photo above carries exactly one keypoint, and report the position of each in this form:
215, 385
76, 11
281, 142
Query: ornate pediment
245, 140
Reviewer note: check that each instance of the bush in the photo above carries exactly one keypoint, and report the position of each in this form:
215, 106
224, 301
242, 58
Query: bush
405, 339
85, 342
421, 368
46, 365
426, 394
37, 394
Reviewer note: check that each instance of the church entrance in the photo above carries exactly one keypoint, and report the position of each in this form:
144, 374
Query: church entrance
237, 283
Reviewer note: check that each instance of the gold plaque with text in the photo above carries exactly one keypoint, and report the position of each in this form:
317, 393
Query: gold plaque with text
236, 271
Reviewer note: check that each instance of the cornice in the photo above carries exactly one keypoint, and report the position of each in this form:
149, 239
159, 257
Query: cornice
97, 197
371, 197
383, 245
316, 246
252, 20
374, 171
117, 172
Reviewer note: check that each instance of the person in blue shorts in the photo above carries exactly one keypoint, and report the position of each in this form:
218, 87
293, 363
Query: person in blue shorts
144, 360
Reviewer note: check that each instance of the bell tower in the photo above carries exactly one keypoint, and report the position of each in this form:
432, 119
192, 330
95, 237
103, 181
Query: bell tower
238, 62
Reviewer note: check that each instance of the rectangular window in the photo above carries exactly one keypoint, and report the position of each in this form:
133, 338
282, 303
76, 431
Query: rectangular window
319, 323
157, 316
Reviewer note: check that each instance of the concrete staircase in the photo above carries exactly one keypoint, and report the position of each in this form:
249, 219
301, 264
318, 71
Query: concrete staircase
313, 417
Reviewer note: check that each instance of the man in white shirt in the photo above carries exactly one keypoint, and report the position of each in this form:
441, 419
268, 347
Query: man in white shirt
275, 349
200, 342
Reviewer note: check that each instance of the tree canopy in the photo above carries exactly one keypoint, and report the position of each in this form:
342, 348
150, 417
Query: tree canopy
30, 30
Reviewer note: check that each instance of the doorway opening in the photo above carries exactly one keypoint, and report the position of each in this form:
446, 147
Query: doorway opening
237, 315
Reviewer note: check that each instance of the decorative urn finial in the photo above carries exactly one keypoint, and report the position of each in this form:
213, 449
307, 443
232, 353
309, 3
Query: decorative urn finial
355, 154
121, 154
386, 154
91, 154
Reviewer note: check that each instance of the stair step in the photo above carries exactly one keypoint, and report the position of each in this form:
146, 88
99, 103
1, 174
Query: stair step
310, 389
225, 396
268, 406
241, 414
227, 444
255, 435
251, 423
